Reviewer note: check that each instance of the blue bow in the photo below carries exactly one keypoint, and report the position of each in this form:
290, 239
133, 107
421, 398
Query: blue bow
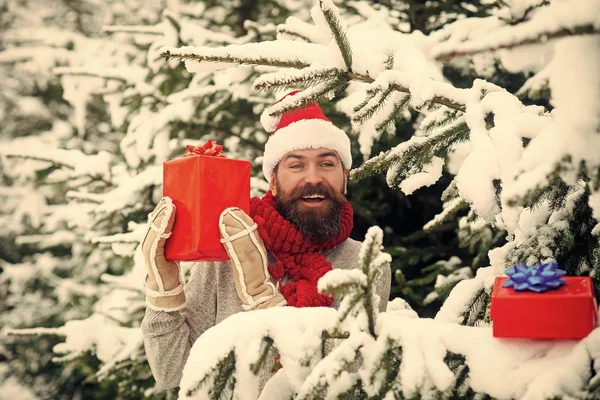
537, 278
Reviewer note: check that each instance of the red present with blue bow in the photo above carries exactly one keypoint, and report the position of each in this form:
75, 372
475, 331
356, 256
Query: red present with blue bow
540, 302
202, 183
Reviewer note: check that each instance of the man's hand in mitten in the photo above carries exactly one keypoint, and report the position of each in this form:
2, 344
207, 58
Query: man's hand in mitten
248, 260
164, 283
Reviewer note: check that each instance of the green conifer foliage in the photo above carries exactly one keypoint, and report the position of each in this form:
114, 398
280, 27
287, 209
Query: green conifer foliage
90, 110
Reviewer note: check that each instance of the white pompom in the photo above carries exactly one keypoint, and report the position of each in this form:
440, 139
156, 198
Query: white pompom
268, 122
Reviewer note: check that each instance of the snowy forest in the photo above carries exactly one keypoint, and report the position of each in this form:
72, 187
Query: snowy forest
475, 131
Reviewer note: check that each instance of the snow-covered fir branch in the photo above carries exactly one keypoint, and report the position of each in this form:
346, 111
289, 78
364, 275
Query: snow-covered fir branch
308, 95
421, 88
235, 362
121, 344
296, 28
95, 166
409, 152
410, 357
451, 207
147, 30
99, 73
86, 197
338, 31
293, 79
557, 20
376, 100
265, 53
534, 86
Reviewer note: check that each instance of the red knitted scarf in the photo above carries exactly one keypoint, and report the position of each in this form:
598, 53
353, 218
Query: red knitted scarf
296, 257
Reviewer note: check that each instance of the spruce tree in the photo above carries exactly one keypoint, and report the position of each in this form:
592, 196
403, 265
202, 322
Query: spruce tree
92, 160
82, 147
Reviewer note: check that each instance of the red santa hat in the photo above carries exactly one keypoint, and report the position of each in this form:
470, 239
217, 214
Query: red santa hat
303, 128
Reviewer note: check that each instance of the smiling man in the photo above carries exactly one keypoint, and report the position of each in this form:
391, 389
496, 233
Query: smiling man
296, 233
309, 187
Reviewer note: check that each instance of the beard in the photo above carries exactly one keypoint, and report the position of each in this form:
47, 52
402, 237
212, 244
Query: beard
315, 223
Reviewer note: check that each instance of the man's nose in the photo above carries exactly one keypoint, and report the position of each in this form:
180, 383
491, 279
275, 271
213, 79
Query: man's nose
313, 176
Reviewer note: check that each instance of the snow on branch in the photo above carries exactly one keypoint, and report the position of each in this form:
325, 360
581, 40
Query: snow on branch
134, 236
127, 194
129, 237
338, 31
536, 84
147, 30
109, 342
323, 65
355, 287
96, 165
415, 152
126, 75
36, 331
409, 357
84, 196
507, 141
559, 19
551, 229
376, 99
303, 78
299, 340
57, 238
450, 208
422, 89
296, 334
301, 99
296, 28
331, 376
342, 281
271, 53
15, 55
426, 343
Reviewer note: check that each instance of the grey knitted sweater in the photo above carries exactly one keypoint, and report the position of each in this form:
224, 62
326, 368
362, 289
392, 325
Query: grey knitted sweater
211, 297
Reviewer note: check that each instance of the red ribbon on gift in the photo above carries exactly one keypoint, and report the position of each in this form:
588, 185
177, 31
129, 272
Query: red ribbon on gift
210, 148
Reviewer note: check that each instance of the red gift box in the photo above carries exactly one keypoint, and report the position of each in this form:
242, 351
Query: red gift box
569, 312
201, 187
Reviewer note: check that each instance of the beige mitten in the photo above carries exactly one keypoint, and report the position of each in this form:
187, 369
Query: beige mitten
248, 260
164, 283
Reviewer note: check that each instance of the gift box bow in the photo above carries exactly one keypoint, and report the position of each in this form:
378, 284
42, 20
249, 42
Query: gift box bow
537, 278
210, 148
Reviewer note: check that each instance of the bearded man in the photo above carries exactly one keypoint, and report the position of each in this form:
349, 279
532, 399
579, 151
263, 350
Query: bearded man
297, 232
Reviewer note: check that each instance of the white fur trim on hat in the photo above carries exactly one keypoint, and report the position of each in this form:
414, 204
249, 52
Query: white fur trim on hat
305, 134
268, 122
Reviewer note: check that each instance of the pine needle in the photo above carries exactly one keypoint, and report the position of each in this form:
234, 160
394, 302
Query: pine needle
410, 157
265, 345
302, 99
335, 25
438, 119
223, 377
256, 60
394, 115
373, 105
304, 78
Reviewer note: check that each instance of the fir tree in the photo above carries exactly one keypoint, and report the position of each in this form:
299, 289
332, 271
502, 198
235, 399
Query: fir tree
540, 202
82, 169
89, 155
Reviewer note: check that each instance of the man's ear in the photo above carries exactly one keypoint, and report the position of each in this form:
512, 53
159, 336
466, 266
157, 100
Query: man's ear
346, 172
272, 185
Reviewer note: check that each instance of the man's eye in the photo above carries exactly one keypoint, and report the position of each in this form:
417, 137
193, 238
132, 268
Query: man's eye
327, 164
296, 166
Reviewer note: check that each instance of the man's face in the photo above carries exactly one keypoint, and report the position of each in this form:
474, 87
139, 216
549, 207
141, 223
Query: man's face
309, 187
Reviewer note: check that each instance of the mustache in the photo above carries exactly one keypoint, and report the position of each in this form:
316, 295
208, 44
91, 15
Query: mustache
311, 190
